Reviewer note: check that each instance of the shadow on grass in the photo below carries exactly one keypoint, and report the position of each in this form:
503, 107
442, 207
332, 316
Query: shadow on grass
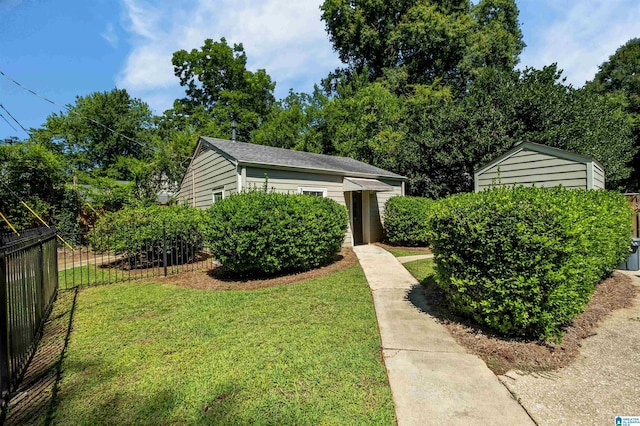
33, 401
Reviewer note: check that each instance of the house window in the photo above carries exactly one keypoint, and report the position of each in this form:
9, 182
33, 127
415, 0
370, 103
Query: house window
218, 194
318, 192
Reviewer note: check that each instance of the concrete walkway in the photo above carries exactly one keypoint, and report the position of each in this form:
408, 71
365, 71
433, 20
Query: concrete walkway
433, 380
603, 382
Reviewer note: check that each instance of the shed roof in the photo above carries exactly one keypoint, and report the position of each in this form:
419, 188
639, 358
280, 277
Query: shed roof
262, 155
543, 149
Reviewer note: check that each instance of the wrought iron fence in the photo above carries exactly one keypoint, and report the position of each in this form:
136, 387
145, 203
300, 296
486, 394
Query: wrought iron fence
28, 287
87, 266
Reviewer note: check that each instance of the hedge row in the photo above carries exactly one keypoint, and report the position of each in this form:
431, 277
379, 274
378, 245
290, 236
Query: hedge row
406, 221
265, 233
524, 261
148, 230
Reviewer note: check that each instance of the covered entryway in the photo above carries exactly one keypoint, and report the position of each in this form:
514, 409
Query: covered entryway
364, 208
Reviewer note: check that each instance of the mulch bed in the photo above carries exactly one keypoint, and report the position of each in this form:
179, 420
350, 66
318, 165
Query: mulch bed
215, 278
501, 354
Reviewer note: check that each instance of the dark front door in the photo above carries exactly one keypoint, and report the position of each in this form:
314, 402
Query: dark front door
356, 217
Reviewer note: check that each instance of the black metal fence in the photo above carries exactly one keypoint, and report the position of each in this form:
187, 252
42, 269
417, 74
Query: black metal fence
83, 266
28, 287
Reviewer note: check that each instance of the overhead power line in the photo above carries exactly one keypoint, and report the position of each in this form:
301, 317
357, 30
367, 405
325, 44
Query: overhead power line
14, 119
8, 122
67, 107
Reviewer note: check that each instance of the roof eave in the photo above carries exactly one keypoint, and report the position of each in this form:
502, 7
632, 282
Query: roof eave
317, 169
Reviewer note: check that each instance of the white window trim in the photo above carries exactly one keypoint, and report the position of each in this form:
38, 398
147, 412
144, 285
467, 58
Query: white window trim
216, 191
303, 189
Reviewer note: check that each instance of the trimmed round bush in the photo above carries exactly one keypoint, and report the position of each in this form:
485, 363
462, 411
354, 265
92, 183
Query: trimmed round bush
257, 233
525, 261
137, 231
406, 221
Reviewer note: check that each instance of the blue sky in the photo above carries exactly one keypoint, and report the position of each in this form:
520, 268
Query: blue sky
66, 48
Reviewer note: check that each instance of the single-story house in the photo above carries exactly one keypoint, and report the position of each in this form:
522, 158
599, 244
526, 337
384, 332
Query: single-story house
540, 165
220, 168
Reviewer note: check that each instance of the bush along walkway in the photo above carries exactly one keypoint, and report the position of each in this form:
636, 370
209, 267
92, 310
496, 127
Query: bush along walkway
432, 378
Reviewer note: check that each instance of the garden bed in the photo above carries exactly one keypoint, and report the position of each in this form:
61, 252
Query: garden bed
215, 279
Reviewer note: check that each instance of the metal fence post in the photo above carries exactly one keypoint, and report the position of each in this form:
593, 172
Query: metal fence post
164, 247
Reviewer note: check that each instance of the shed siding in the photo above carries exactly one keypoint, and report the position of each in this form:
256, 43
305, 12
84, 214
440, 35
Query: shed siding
209, 171
528, 168
598, 176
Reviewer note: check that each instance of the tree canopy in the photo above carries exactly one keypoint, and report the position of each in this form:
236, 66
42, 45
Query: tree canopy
219, 90
432, 39
98, 131
619, 80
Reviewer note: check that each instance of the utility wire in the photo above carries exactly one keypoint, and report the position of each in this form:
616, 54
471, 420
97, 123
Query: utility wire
33, 213
8, 122
14, 119
67, 107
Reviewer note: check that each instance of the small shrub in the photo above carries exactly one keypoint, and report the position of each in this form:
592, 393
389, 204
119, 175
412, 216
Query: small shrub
265, 233
406, 221
146, 231
525, 261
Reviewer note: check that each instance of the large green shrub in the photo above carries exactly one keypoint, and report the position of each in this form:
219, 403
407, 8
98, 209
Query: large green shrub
148, 231
524, 261
406, 221
265, 233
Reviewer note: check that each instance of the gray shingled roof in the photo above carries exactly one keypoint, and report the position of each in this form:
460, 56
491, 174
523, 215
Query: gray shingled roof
270, 156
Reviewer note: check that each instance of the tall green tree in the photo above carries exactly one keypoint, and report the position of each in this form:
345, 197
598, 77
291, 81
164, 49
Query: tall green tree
219, 89
296, 122
365, 121
445, 39
98, 130
619, 80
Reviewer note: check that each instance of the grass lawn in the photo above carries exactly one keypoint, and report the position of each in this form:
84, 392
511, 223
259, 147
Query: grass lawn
404, 251
89, 275
420, 269
154, 353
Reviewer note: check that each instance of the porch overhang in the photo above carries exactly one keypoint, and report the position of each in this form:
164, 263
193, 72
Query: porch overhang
362, 184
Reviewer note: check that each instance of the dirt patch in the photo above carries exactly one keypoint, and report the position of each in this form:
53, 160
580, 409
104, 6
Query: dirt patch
214, 280
418, 250
502, 354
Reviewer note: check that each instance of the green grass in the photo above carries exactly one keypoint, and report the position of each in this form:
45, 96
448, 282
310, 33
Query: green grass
420, 269
400, 252
149, 353
89, 275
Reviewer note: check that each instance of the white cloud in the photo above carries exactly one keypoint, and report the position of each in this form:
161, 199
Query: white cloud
286, 38
581, 36
109, 34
